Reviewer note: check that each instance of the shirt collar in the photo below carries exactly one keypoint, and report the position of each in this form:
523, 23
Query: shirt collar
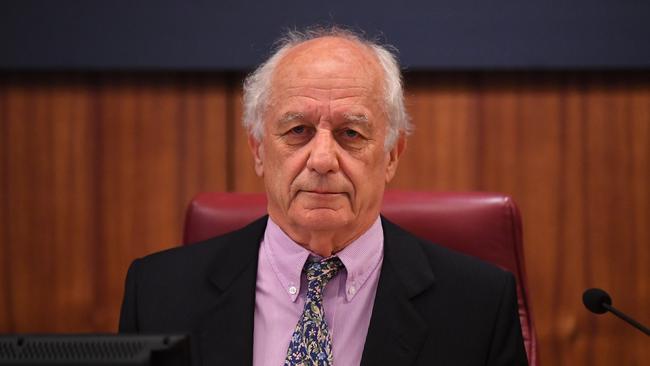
287, 258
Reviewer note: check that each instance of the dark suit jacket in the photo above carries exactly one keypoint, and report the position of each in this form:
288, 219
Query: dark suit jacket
433, 306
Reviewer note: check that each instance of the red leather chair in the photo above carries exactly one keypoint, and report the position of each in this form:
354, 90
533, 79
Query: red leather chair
484, 225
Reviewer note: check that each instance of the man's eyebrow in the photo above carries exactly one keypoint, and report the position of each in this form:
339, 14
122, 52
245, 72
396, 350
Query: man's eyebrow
290, 117
355, 117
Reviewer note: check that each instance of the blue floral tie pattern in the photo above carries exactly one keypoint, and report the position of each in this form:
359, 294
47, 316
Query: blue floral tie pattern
311, 344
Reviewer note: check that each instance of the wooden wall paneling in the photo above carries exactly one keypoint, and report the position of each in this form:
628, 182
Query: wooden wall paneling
601, 207
501, 121
499, 130
157, 165
28, 165
538, 173
5, 316
208, 142
72, 211
441, 154
42, 189
99, 171
639, 104
117, 179
7, 319
612, 249
637, 209
159, 144
621, 256
564, 338
244, 177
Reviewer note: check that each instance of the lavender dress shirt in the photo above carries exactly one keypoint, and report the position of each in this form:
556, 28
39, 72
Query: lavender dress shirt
347, 299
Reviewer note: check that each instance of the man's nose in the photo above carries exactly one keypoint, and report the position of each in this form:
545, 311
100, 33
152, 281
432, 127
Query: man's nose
322, 156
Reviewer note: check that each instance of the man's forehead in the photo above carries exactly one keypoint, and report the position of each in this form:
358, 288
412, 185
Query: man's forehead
326, 89
332, 47
351, 117
328, 76
328, 62
339, 104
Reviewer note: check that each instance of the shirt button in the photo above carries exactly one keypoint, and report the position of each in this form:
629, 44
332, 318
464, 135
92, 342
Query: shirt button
352, 290
293, 290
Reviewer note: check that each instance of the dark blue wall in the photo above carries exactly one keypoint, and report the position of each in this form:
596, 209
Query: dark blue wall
235, 35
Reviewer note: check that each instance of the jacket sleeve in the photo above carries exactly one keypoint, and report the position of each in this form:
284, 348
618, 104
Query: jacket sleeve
507, 345
129, 312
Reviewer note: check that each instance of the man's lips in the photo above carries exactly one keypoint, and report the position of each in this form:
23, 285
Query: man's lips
321, 199
322, 192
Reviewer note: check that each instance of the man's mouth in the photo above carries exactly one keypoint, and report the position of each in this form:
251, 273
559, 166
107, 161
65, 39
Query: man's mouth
322, 192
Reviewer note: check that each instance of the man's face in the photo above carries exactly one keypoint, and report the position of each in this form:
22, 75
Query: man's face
322, 155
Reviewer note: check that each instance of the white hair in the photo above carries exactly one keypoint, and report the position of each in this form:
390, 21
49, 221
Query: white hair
257, 86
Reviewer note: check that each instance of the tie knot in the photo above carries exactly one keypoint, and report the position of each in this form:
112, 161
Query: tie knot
322, 271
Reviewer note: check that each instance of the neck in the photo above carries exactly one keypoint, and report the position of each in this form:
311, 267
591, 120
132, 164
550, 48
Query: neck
324, 243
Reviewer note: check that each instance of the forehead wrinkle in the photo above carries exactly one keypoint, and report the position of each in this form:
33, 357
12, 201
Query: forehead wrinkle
327, 96
325, 88
309, 77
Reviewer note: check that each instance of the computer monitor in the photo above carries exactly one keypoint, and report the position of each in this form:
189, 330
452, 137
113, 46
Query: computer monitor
95, 349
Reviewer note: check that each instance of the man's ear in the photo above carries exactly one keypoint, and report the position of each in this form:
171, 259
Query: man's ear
258, 154
394, 155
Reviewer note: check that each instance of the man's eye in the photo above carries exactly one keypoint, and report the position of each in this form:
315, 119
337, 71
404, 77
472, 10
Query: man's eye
298, 130
351, 134
298, 135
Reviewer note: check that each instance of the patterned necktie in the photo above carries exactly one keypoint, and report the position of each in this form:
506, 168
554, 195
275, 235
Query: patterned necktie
311, 344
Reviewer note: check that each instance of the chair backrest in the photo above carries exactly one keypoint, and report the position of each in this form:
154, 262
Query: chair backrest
484, 225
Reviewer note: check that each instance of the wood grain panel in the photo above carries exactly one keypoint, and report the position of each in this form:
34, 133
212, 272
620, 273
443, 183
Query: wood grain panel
244, 177
442, 152
97, 170
6, 315
42, 221
610, 181
567, 251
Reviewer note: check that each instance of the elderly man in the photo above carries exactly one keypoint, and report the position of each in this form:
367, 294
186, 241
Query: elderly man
323, 279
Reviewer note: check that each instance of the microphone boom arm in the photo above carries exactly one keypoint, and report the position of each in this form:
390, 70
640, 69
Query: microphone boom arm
626, 318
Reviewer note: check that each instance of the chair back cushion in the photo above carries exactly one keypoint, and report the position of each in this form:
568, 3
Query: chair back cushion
483, 225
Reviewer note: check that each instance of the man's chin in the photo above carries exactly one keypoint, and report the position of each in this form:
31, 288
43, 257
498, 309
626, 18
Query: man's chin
322, 218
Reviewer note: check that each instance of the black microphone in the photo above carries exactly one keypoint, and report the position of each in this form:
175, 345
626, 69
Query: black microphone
599, 302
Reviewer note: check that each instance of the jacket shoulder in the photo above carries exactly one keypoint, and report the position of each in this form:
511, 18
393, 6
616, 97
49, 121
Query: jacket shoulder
202, 255
446, 264
170, 289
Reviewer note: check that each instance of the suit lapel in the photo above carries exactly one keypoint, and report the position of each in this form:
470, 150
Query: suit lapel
397, 331
226, 333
